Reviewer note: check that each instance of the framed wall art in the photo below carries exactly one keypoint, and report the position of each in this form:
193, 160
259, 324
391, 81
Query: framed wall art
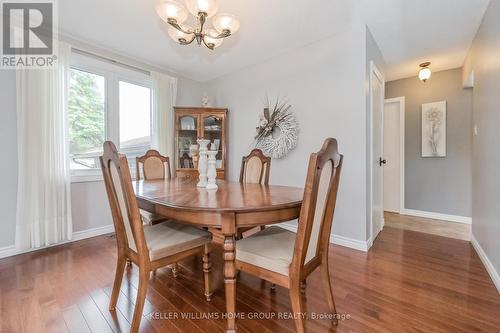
434, 129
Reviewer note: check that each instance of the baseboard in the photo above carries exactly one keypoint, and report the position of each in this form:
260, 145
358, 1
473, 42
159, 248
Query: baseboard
79, 235
11, 250
437, 216
336, 239
495, 277
350, 243
7, 251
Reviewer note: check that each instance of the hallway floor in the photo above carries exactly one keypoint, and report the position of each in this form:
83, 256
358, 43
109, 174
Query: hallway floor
429, 226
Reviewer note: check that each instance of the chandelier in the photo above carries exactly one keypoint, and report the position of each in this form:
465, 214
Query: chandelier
175, 14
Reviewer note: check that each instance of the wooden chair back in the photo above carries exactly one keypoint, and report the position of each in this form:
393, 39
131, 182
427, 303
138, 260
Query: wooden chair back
154, 166
125, 211
255, 168
318, 206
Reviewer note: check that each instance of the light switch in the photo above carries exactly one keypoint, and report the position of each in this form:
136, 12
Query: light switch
475, 130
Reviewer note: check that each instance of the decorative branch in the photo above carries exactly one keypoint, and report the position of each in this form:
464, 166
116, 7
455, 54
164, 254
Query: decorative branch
278, 113
277, 116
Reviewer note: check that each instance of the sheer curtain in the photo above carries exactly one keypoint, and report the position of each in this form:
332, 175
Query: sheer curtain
43, 194
164, 96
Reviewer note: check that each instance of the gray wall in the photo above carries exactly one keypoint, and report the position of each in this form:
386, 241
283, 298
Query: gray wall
485, 62
372, 54
89, 202
324, 82
440, 185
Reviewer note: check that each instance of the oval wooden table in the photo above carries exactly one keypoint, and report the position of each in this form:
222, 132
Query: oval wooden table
232, 206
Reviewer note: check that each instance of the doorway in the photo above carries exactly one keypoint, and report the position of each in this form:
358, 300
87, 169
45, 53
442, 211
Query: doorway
394, 155
377, 83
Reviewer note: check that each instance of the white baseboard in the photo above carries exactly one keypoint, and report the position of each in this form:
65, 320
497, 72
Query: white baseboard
437, 216
336, 239
486, 262
350, 243
79, 235
7, 251
11, 250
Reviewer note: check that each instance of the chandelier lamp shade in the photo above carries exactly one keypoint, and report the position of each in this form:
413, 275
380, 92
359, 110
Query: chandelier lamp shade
425, 72
175, 14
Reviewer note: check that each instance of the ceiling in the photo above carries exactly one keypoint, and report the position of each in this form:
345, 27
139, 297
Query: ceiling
407, 32
411, 32
268, 28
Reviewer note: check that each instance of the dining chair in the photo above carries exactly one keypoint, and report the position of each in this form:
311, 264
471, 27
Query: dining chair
255, 168
153, 166
149, 247
285, 258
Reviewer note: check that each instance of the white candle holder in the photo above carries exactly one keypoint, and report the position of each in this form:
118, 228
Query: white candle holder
203, 162
212, 170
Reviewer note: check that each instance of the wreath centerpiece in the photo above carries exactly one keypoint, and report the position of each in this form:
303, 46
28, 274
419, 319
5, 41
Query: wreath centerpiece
278, 130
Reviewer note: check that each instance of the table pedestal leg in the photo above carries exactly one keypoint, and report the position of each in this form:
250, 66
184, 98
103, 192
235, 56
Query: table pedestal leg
230, 282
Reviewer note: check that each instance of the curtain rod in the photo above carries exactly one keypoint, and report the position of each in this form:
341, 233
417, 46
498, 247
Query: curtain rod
83, 52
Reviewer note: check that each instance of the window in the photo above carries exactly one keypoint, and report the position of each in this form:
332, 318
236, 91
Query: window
87, 119
135, 120
106, 102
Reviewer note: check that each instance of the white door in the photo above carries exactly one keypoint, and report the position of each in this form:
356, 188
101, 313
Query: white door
377, 108
392, 153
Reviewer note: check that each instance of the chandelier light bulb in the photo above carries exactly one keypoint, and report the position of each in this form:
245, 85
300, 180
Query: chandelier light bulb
179, 36
226, 22
172, 10
210, 40
202, 6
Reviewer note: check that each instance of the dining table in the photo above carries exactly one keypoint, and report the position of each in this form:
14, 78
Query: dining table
233, 205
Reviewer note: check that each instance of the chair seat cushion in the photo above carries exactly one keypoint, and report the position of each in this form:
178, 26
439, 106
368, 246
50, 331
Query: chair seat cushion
271, 248
169, 238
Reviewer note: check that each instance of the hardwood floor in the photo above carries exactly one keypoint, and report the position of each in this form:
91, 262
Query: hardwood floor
428, 226
408, 282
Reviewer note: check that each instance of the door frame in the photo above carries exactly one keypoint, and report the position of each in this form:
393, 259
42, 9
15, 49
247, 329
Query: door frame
375, 74
402, 112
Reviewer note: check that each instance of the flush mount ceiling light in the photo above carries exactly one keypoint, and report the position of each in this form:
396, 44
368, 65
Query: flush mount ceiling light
425, 71
175, 14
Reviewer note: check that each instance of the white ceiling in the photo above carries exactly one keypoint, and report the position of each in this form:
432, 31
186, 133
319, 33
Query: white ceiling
410, 32
268, 28
407, 31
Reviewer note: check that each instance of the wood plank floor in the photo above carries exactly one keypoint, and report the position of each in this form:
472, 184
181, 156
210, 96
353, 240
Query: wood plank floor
429, 226
409, 282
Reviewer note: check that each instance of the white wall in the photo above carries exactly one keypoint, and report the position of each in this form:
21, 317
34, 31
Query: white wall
324, 81
485, 63
8, 166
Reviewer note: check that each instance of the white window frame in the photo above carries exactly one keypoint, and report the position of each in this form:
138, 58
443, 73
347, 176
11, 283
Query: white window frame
113, 74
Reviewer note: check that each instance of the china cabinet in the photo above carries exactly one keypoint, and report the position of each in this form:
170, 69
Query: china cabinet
192, 123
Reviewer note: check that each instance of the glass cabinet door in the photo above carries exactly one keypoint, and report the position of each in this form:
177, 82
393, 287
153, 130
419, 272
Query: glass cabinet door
213, 131
187, 134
